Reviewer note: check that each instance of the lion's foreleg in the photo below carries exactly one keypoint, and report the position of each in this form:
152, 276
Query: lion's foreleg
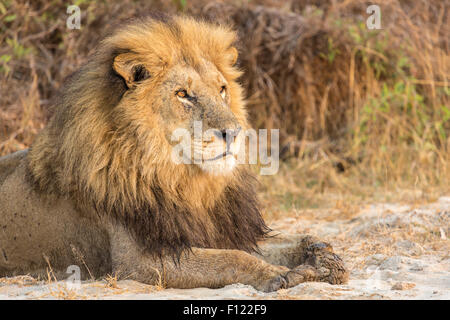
212, 268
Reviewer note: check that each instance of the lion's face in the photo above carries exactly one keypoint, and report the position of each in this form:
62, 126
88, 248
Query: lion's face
188, 102
197, 117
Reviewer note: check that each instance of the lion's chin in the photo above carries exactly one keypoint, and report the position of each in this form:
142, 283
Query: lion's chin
222, 166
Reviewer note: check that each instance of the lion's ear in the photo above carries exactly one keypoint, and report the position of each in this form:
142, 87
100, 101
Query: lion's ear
125, 66
233, 52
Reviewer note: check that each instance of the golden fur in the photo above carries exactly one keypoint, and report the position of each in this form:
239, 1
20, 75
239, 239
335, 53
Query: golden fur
105, 155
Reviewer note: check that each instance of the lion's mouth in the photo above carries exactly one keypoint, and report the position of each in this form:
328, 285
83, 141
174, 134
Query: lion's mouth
220, 156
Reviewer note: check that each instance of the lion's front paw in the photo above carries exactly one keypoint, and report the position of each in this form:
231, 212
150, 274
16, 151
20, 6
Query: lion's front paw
320, 260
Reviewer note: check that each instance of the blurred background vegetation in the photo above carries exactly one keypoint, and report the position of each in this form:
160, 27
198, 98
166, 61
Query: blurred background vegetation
363, 114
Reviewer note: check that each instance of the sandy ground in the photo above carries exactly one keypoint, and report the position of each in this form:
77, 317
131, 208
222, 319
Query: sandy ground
394, 251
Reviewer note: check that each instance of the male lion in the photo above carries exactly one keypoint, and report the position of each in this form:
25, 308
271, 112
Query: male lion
99, 188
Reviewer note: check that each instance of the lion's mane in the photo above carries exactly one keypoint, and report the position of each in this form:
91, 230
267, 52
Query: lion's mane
117, 170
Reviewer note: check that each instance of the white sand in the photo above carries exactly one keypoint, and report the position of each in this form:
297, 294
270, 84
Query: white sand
393, 251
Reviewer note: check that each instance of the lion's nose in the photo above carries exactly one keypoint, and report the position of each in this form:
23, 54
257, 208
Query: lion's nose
227, 133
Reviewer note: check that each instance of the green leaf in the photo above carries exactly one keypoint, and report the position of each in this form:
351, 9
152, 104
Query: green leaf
5, 58
446, 111
10, 18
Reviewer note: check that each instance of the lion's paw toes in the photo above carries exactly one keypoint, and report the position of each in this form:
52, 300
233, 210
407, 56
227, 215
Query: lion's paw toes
300, 274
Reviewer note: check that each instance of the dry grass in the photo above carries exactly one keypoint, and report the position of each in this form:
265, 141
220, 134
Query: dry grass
25, 280
110, 285
62, 292
111, 281
363, 114
371, 104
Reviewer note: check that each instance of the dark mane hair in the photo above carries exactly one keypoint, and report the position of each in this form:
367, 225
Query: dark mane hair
167, 227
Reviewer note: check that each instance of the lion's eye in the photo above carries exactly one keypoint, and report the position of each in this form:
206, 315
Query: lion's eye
182, 93
223, 91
